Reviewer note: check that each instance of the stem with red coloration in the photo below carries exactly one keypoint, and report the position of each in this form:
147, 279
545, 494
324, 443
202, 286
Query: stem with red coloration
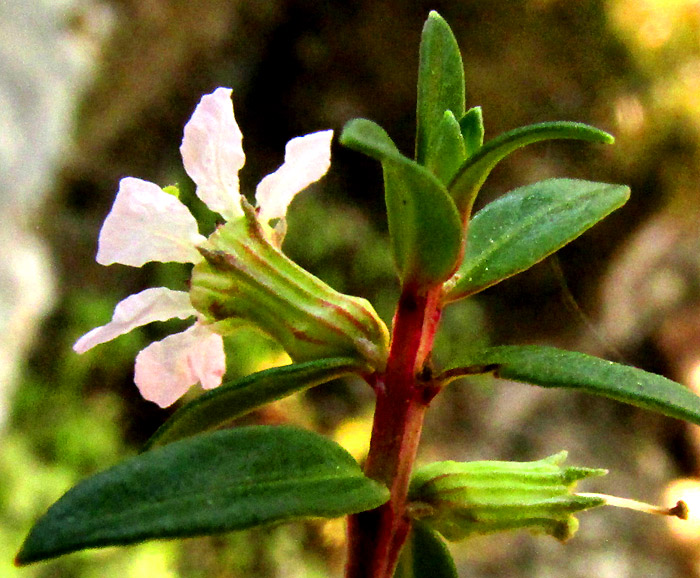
376, 536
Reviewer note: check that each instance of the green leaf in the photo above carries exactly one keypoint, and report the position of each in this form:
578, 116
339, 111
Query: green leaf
234, 399
367, 137
424, 225
551, 367
526, 225
215, 482
425, 555
472, 127
446, 153
425, 228
440, 82
466, 184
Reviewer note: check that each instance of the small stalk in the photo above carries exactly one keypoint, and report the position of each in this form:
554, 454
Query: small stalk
377, 536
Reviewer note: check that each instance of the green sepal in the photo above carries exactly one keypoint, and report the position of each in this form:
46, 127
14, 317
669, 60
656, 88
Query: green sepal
207, 484
460, 499
425, 555
526, 225
425, 228
245, 278
173, 190
440, 82
472, 128
446, 153
238, 397
468, 180
552, 367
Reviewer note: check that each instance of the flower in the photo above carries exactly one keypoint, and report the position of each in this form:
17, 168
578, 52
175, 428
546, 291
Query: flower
461, 499
148, 224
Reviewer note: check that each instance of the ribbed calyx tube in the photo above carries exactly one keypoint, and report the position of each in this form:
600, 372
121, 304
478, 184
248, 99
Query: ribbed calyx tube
245, 277
461, 499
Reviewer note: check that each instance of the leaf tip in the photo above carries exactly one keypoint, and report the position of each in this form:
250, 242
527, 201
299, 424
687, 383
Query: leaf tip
347, 131
435, 19
24, 557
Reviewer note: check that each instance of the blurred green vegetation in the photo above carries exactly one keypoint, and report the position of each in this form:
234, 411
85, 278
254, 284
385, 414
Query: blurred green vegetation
632, 68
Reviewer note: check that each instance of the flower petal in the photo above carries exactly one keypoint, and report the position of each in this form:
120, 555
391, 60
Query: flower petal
306, 159
212, 152
147, 224
166, 369
155, 304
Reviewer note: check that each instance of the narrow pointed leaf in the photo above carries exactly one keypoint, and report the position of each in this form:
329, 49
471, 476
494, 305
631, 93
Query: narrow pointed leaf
446, 153
425, 555
236, 398
212, 483
466, 184
440, 81
526, 225
551, 367
425, 228
472, 127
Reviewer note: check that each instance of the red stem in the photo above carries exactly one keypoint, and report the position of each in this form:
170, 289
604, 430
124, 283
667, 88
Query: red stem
376, 536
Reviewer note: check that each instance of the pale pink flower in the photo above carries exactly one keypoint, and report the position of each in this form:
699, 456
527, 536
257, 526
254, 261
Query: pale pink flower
148, 224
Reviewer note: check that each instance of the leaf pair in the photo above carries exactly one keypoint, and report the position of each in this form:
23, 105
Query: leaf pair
429, 200
424, 224
216, 481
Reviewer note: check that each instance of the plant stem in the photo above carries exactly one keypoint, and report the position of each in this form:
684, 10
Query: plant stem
376, 536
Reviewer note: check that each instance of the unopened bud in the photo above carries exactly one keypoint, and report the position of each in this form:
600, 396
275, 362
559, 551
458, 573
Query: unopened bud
459, 499
245, 278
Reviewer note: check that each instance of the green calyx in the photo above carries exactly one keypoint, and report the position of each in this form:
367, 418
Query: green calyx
460, 499
245, 278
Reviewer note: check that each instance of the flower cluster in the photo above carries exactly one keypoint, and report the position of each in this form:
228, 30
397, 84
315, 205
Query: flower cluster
147, 224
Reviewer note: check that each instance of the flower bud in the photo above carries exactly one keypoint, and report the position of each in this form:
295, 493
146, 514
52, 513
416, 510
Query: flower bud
245, 278
459, 499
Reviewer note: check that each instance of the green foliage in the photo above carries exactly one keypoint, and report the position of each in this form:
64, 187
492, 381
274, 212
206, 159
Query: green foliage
425, 555
217, 482
424, 225
526, 225
467, 182
552, 367
440, 85
60, 435
472, 127
236, 398
447, 152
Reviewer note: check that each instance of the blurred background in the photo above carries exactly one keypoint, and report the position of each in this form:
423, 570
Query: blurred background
92, 91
